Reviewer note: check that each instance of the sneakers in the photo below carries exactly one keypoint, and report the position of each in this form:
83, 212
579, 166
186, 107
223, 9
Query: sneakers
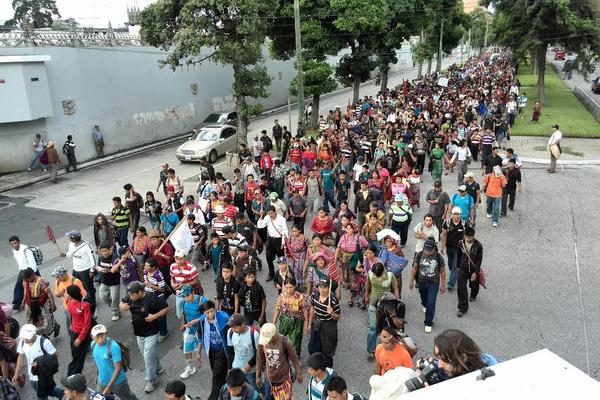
424, 309
488, 215
460, 314
115, 318
188, 372
370, 356
427, 329
450, 288
149, 388
495, 224
162, 338
471, 299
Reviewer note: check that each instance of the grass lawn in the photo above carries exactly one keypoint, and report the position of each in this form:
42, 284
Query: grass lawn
562, 107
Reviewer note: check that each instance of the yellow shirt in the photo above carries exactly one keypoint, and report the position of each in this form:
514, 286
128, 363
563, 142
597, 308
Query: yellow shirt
61, 288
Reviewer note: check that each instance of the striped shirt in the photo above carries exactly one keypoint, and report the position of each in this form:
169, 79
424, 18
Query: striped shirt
217, 225
121, 216
488, 139
321, 308
316, 389
155, 278
183, 274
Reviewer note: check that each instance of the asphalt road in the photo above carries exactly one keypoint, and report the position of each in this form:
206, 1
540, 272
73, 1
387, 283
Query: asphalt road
541, 265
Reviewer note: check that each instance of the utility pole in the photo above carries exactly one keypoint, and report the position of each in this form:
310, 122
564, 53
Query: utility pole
439, 57
487, 26
300, 77
469, 45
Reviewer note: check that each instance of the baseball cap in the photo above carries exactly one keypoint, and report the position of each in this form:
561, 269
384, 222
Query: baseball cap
456, 210
429, 244
273, 195
324, 282
170, 188
135, 287
236, 320
186, 290
58, 271
437, 183
282, 260
399, 197
266, 333
469, 175
122, 250
27, 331
462, 188
98, 329
74, 234
180, 253
76, 383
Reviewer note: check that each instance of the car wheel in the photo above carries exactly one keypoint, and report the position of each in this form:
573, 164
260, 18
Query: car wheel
212, 157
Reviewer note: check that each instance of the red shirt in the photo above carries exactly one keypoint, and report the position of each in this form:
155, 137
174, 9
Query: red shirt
168, 251
183, 274
250, 188
296, 156
81, 318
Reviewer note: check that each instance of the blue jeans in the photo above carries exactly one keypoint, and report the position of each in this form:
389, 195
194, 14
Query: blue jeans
122, 236
148, 348
162, 326
328, 198
493, 207
372, 332
35, 158
428, 292
57, 392
453, 254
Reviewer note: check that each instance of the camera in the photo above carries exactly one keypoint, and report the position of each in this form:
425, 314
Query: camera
429, 372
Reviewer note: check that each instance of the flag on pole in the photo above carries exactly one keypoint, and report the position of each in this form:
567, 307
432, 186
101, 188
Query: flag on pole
181, 237
50, 234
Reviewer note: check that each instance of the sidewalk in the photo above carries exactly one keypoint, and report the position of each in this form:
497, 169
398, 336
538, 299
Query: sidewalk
533, 149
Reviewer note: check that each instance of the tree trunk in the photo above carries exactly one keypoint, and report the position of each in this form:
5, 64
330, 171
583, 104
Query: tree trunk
384, 78
314, 119
420, 70
355, 89
428, 66
541, 69
240, 107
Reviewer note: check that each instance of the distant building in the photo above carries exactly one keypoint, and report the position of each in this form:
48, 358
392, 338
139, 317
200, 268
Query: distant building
470, 5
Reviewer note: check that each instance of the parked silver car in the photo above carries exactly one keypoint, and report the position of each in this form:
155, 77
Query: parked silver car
210, 141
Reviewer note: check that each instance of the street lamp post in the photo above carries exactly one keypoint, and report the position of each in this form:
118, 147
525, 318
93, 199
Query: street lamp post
300, 77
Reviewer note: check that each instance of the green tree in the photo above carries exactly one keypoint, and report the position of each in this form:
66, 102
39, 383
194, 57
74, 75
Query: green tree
529, 27
228, 32
320, 38
361, 22
37, 13
317, 82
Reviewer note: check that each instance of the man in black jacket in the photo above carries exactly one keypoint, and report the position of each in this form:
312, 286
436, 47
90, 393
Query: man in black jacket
362, 203
277, 135
469, 266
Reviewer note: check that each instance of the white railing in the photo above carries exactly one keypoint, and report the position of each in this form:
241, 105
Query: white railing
79, 38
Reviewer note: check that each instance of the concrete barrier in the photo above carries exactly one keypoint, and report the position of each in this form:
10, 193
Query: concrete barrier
588, 101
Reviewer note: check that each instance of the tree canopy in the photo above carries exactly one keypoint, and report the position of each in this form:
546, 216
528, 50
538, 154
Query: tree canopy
37, 13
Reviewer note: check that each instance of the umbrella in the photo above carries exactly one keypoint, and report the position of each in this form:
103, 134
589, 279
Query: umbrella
387, 232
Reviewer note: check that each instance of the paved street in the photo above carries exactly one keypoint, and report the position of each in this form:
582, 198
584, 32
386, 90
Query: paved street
541, 264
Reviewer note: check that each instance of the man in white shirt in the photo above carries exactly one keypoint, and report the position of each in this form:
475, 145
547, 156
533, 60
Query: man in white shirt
84, 262
554, 148
29, 348
356, 171
461, 156
24, 257
277, 230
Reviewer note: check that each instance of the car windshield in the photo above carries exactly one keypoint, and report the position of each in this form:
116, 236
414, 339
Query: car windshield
206, 135
216, 118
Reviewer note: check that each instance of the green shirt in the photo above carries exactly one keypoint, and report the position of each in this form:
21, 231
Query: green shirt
380, 285
326, 176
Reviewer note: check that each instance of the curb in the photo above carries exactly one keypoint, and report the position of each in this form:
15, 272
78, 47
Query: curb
559, 162
97, 161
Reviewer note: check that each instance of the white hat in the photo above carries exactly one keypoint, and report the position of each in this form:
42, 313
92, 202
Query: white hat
98, 329
456, 210
266, 333
469, 175
27, 331
400, 197
180, 253
462, 188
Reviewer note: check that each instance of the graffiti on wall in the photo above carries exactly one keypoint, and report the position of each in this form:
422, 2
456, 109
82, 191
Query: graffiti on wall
170, 114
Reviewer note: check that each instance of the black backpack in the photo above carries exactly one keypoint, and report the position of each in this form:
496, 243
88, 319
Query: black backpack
14, 328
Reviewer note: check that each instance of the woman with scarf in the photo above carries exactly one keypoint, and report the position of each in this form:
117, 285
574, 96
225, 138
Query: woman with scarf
349, 253
317, 246
291, 310
296, 254
40, 304
392, 257
320, 268
323, 225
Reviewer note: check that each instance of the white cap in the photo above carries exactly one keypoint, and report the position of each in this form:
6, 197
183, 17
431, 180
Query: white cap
180, 253
98, 329
27, 331
266, 333
462, 188
456, 210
